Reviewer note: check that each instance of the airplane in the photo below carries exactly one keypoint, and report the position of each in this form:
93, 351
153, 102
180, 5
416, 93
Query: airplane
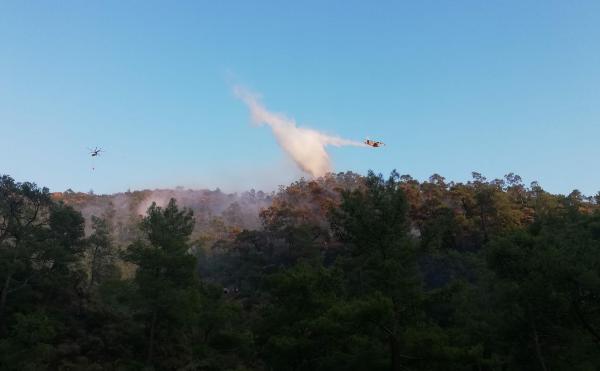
95, 152
373, 143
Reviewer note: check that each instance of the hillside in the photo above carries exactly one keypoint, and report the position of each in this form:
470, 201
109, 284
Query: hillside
217, 215
343, 272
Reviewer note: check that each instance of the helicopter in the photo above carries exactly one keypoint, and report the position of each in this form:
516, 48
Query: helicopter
95, 152
374, 143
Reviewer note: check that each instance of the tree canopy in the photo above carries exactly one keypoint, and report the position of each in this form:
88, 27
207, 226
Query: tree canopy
343, 272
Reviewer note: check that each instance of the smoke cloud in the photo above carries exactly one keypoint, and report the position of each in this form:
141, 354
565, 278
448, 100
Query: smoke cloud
305, 146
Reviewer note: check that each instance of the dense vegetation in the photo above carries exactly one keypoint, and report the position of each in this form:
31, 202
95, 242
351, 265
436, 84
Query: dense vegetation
343, 273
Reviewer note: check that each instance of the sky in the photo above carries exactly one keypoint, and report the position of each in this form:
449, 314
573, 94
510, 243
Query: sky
450, 86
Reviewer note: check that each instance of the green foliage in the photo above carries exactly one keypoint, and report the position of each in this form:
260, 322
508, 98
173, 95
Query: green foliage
345, 273
30, 343
101, 254
547, 288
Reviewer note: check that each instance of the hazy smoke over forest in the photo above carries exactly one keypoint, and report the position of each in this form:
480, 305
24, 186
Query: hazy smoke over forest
215, 212
305, 146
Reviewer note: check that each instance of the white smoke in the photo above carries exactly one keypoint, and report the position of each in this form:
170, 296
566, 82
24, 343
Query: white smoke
305, 146
161, 200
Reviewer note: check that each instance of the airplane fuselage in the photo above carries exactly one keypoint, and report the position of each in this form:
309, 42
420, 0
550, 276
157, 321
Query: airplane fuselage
373, 143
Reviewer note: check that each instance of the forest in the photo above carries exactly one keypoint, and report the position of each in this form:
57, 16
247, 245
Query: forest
343, 272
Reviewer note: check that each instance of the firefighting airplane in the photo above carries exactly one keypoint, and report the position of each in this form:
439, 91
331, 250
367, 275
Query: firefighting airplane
374, 143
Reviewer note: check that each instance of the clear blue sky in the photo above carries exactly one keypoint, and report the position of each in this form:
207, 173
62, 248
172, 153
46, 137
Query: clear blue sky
450, 86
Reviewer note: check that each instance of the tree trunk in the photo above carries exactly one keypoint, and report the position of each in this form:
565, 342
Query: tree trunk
483, 222
93, 268
151, 343
3, 298
395, 353
538, 348
585, 323
6, 287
